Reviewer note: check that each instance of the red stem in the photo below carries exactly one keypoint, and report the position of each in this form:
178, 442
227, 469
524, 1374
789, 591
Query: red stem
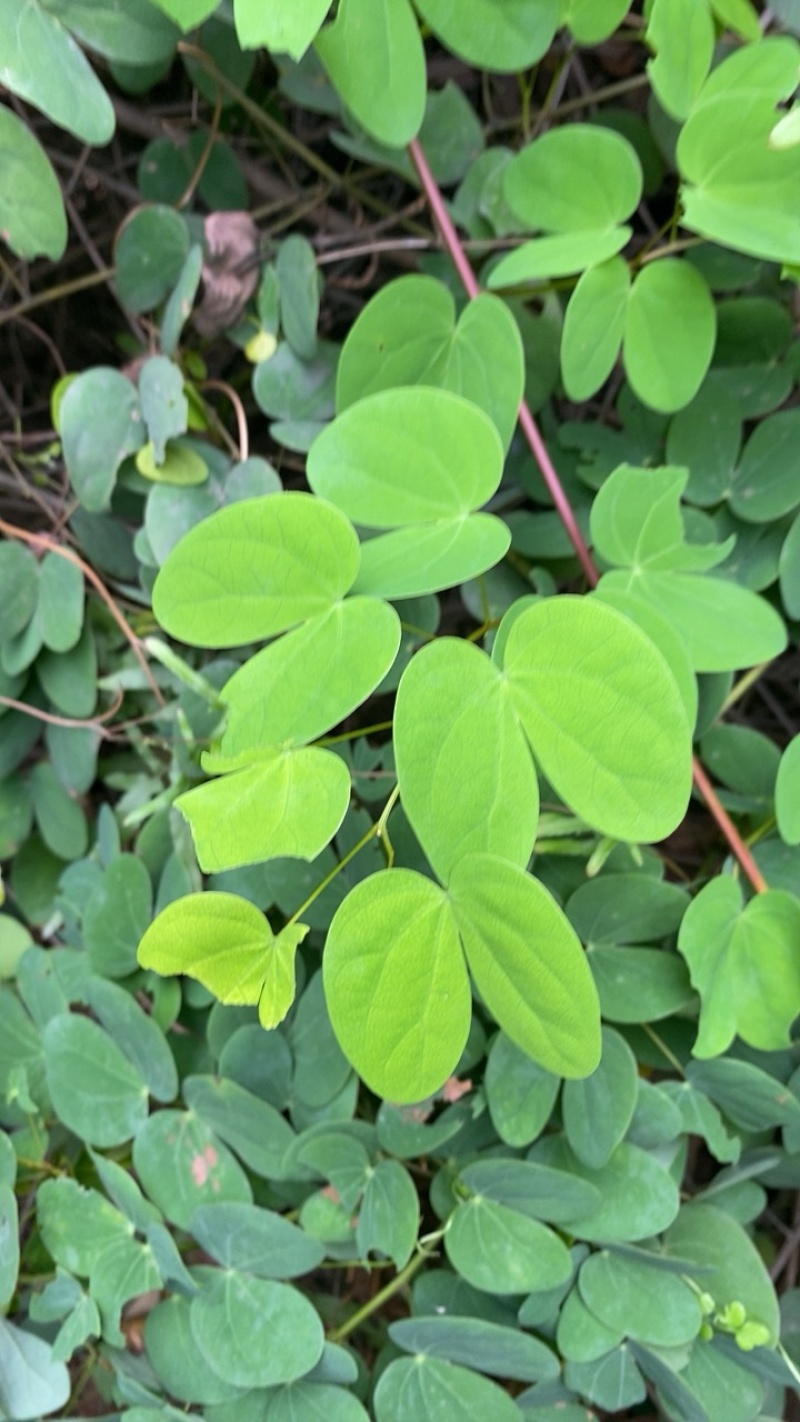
539, 451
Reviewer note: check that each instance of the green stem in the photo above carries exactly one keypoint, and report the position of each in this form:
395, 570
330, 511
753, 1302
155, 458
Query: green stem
366, 1311
377, 830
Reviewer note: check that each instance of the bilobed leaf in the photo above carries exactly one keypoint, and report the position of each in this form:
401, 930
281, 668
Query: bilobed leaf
150, 250
425, 558
637, 522
603, 714
638, 1198
396, 984
133, 34
226, 944
116, 915
504, 38
44, 64
163, 403
175, 1357
658, 628
527, 963
451, 704
520, 1094
740, 16
407, 456
575, 178
504, 1251
283, 29
100, 423
723, 625
254, 1332
743, 962
187, 13
244, 574
540, 1191
374, 57
137, 1034
288, 803
97, 1091
594, 324
682, 34
592, 21
670, 330
766, 483
408, 334
787, 793
311, 679
411, 1389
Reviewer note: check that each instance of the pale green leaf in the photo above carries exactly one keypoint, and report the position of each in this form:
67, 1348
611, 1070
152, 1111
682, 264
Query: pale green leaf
287, 804
374, 56
637, 522
451, 704
507, 38
408, 334
32, 217
244, 574
396, 984
311, 679
476, 1343
658, 628
743, 962
575, 178
425, 558
96, 1091
257, 1241
787, 793
19, 589
766, 483
670, 331
163, 403
592, 21
226, 944
723, 625
594, 324
32, 1383
638, 1197
682, 34
739, 16
631, 1297
407, 456
527, 963
43, 64
181, 1164
281, 28
60, 602
603, 714
557, 256
255, 1333
181, 465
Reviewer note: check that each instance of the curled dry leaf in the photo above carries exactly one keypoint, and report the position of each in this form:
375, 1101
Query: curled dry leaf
230, 275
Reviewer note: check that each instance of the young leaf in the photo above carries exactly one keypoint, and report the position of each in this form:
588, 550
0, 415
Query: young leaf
637, 522
227, 945
283, 29
244, 575
425, 558
670, 330
375, 59
682, 34
452, 704
603, 714
505, 38
408, 334
594, 324
743, 962
407, 456
285, 803
396, 984
787, 793
575, 178
272, 701
44, 64
733, 1268
527, 963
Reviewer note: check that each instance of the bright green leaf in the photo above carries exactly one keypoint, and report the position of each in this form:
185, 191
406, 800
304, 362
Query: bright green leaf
682, 34
743, 962
396, 984
592, 21
527, 963
374, 57
593, 327
787, 793
575, 178
603, 714
558, 256
288, 803
452, 704
670, 331
244, 574
637, 522
282, 28
506, 38
407, 456
425, 558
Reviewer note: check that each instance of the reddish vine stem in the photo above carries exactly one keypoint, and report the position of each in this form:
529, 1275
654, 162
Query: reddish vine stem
538, 449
